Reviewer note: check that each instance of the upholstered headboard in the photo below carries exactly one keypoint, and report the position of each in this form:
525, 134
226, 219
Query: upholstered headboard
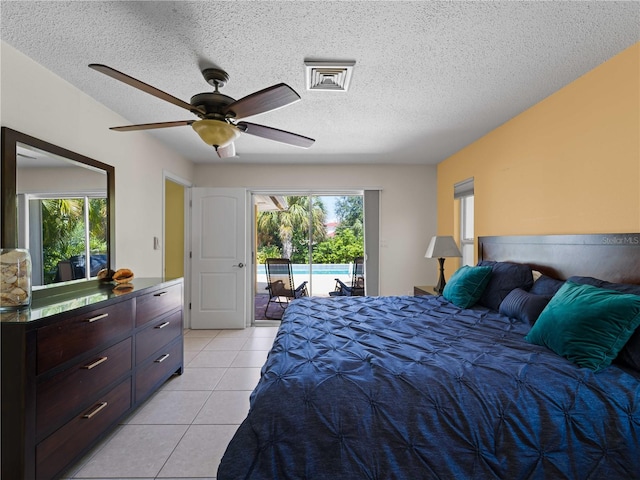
612, 257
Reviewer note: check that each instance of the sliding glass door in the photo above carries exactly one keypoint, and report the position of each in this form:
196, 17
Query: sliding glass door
321, 234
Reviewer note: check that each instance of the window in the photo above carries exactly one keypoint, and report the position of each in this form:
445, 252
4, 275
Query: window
71, 233
464, 192
466, 230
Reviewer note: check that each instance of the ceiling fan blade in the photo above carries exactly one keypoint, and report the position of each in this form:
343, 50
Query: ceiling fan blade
150, 126
275, 134
227, 151
123, 77
276, 96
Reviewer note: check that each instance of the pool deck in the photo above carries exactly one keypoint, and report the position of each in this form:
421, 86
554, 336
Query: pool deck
319, 286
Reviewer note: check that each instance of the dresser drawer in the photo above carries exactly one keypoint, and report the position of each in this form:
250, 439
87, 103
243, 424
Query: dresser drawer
151, 305
158, 335
160, 367
67, 392
59, 449
61, 342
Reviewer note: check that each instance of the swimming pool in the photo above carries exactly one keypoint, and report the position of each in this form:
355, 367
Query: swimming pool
318, 269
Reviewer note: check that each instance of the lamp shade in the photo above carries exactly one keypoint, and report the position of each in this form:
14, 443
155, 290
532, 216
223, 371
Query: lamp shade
216, 133
441, 247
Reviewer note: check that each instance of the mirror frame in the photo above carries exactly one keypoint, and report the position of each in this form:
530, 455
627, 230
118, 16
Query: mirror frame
8, 186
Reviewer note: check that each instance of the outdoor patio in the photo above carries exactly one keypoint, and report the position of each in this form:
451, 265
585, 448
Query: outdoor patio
319, 286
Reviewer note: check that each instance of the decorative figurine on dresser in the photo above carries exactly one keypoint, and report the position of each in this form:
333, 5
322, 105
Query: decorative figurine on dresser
79, 360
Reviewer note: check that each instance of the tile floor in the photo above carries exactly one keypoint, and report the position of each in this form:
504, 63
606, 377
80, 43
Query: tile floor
182, 431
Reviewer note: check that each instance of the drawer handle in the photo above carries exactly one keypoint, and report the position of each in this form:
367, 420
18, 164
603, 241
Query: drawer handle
162, 325
161, 294
97, 317
95, 411
162, 358
95, 364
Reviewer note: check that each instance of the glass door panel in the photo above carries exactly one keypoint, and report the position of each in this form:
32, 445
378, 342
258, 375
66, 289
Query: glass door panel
320, 234
333, 253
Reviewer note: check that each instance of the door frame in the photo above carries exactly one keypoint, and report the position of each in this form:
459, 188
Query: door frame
167, 175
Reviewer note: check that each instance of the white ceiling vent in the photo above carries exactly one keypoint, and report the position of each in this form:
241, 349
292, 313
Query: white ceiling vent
332, 76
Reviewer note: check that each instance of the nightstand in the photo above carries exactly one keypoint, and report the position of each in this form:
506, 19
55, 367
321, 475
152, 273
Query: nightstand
424, 290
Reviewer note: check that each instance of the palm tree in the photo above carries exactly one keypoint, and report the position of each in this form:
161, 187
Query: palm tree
98, 224
284, 224
62, 232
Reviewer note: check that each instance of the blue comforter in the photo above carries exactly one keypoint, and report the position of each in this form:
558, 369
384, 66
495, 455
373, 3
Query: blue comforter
416, 388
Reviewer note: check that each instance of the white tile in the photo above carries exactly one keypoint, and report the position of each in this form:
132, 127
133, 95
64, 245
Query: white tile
198, 454
258, 343
195, 344
242, 333
225, 407
239, 379
270, 332
195, 379
213, 358
135, 451
202, 333
188, 356
250, 358
170, 408
226, 343
265, 331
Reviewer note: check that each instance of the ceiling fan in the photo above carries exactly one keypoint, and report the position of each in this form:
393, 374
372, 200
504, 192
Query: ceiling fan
218, 113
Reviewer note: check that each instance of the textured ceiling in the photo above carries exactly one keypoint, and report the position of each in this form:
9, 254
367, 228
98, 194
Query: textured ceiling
429, 78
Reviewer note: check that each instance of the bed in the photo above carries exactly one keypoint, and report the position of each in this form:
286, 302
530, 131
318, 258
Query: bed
422, 388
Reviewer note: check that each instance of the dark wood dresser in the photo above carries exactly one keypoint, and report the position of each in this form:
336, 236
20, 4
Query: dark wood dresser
77, 362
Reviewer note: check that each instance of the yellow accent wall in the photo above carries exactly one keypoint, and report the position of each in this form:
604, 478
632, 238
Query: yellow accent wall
174, 230
568, 165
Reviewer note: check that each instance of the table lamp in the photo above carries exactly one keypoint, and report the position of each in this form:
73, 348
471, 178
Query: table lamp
441, 247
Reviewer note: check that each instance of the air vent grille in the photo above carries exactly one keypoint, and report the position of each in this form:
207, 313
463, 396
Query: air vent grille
330, 76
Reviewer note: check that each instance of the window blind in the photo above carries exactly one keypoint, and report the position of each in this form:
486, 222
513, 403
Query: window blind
463, 188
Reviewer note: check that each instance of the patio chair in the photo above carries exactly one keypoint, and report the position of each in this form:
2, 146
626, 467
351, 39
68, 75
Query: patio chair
65, 271
280, 284
357, 282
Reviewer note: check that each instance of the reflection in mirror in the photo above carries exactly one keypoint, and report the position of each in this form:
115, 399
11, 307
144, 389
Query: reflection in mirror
58, 204
62, 214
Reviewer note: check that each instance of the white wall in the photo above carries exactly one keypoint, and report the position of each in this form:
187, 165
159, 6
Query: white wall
37, 102
407, 207
60, 180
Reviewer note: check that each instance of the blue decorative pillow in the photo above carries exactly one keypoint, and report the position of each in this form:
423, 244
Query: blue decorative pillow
596, 282
524, 305
629, 356
466, 285
586, 324
546, 285
505, 276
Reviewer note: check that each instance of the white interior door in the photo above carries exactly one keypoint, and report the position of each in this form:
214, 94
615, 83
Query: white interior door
220, 250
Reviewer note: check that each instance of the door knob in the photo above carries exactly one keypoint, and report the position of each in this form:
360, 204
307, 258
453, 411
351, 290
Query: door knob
241, 265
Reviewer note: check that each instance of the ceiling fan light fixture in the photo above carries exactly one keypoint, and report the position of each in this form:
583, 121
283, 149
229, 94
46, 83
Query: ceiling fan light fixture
216, 133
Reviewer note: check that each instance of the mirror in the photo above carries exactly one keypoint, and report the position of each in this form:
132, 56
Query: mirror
35, 176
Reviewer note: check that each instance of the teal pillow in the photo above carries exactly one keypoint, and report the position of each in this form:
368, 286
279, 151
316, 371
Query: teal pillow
466, 285
586, 324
